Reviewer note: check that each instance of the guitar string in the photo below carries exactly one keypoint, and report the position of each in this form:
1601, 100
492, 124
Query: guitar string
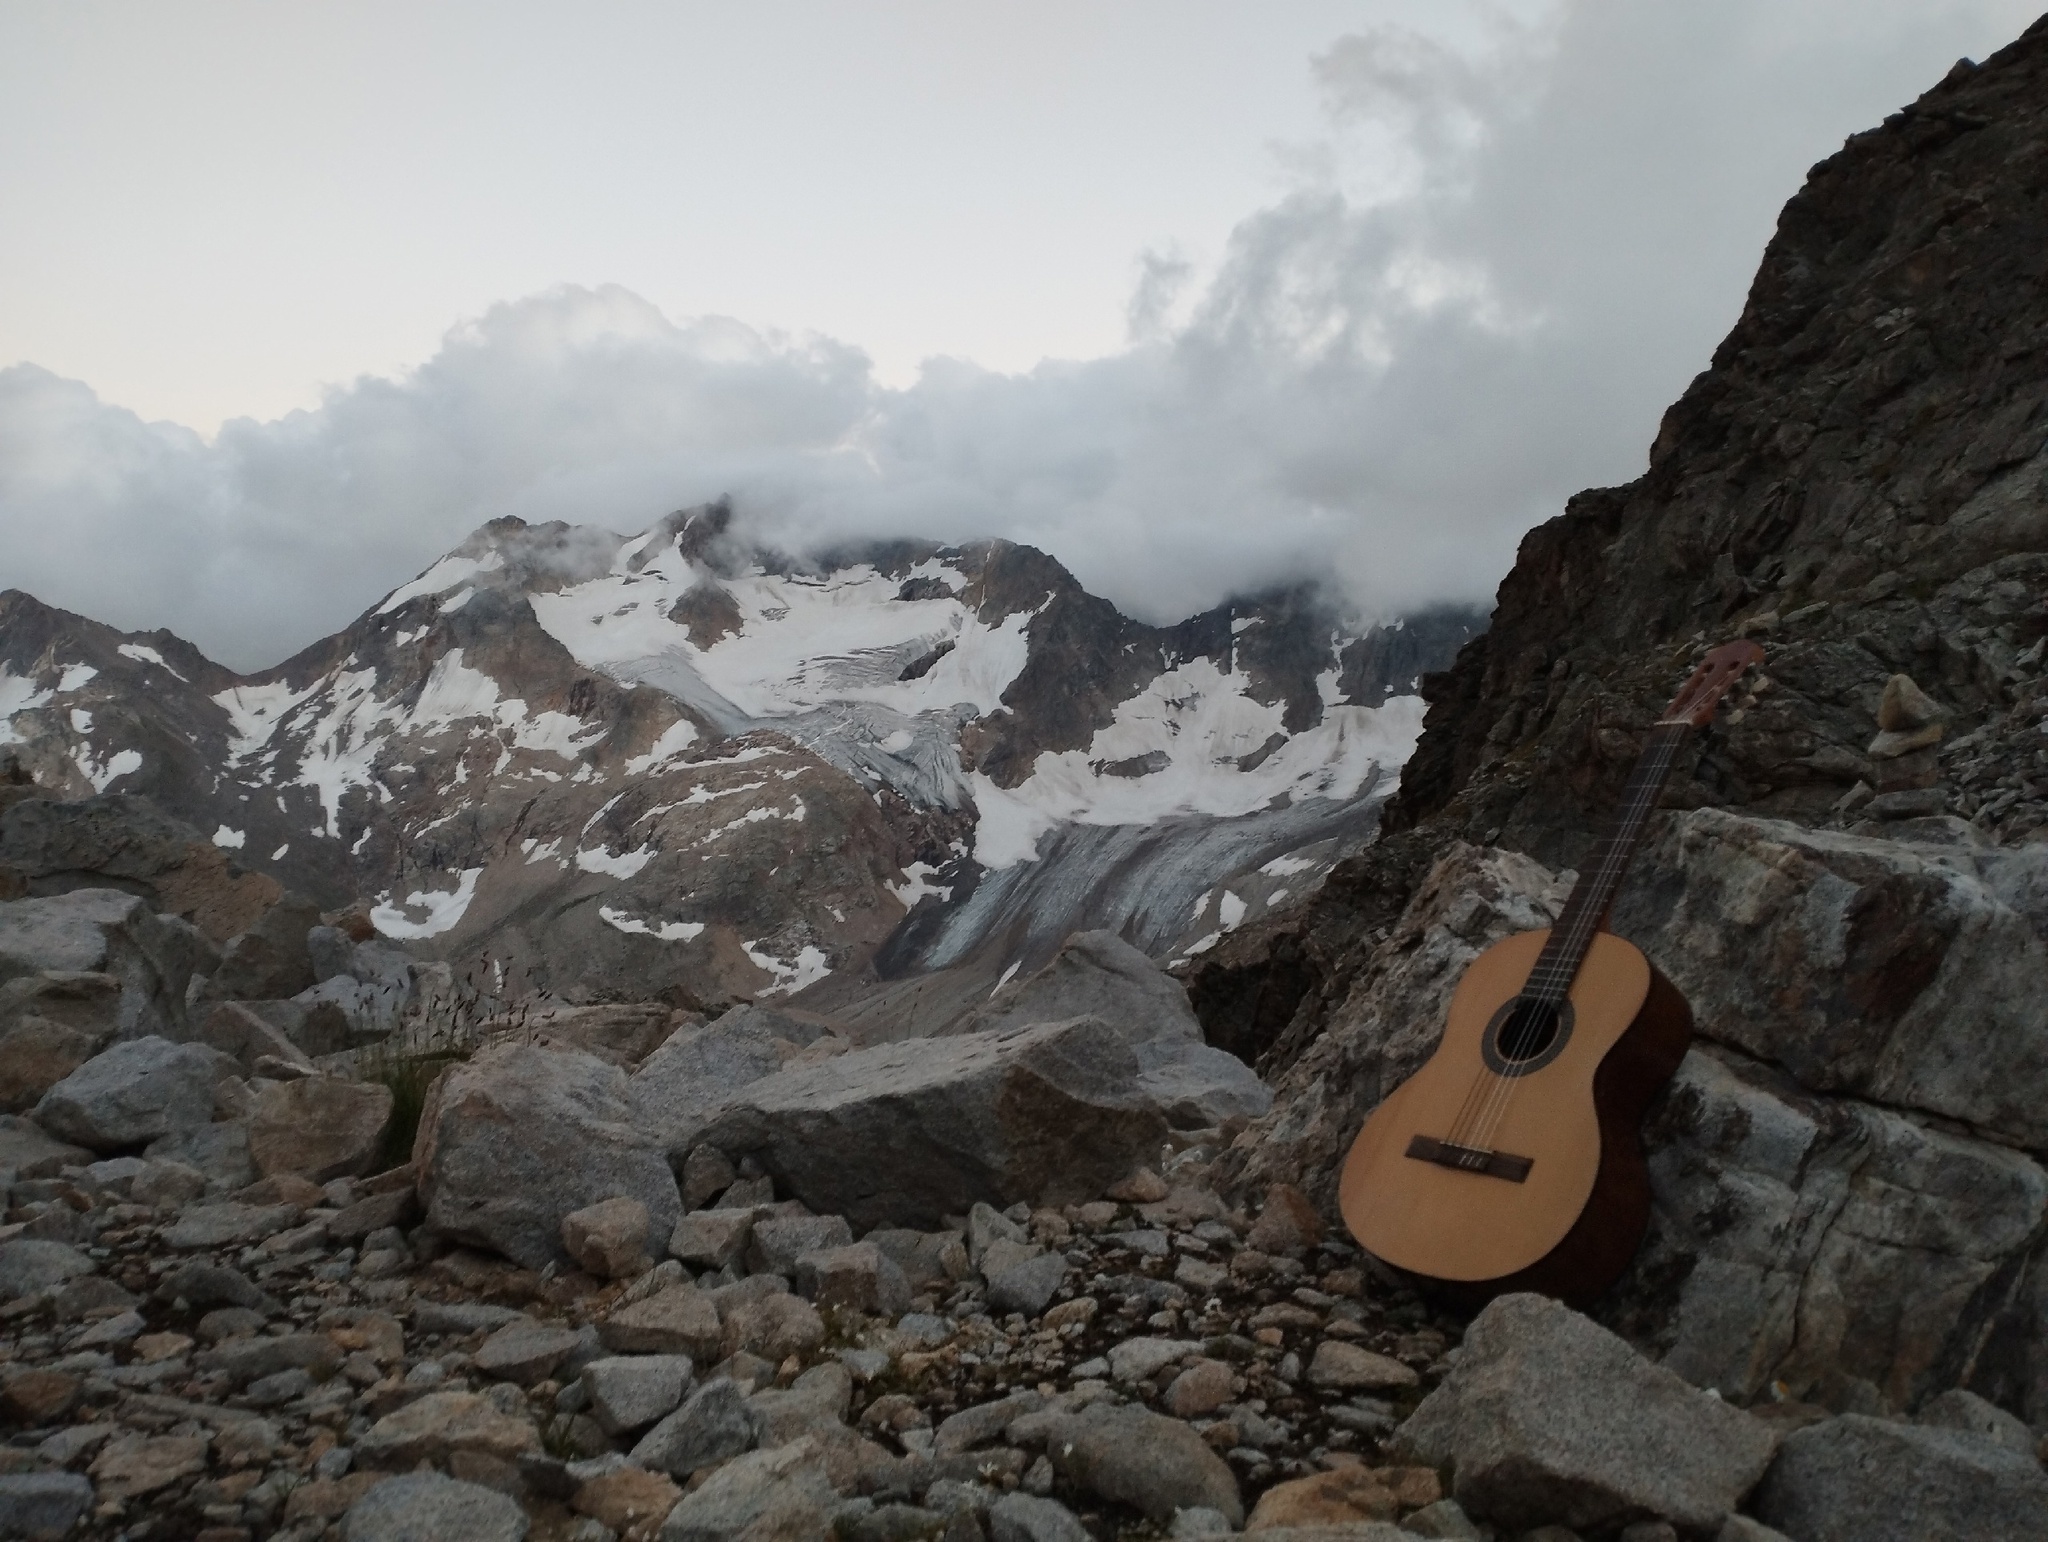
1647, 780
1645, 784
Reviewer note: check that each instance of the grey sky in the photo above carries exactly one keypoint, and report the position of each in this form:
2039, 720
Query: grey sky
1195, 296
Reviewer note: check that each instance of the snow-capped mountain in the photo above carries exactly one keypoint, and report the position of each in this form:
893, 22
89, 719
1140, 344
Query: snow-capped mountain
675, 763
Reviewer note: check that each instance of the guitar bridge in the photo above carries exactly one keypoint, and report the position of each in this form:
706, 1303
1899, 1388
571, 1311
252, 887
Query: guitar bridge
1471, 1159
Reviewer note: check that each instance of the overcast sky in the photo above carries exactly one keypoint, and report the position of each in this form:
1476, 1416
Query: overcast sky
1197, 296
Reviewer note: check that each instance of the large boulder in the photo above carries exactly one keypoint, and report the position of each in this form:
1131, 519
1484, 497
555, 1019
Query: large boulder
319, 1127
908, 1133
124, 841
1098, 974
269, 961
1858, 1479
133, 1093
1904, 973
625, 1033
1132, 1456
104, 931
84, 1000
1549, 1418
519, 1137
36, 1054
698, 1071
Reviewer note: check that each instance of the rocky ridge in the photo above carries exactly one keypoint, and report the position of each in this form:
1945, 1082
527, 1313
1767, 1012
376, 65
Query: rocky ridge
677, 763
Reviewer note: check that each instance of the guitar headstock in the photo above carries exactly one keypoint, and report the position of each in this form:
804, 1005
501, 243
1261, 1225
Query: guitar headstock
1696, 700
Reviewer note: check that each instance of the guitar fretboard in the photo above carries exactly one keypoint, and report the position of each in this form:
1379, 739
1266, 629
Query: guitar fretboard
1604, 868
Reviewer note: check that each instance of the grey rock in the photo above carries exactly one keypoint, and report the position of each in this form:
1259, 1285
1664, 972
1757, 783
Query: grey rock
426, 1507
228, 1224
519, 1136
711, 1239
251, 1359
858, 1276
713, 1424
219, 1152
329, 952
630, 1392
1023, 1518
984, 1422
1741, 1528
1098, 974
1858, 1479
1548, 1417
456, 1318
106, 931
705, 1174
234, 1029
1957, 1409
1956, 1035
30, 1264
816, 1404
679, 1320
270, 960
909, 1133
28, 1151
779, 1240
1447, 1519
84, 1001
200, 1285
42, 1506
133, 1093
986, 1226
525, 1351
767, 1495
1130, 1455
682, 1086
1028, 1287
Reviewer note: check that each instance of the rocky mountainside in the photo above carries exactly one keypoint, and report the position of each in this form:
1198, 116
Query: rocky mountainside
675, 763
1850, 1184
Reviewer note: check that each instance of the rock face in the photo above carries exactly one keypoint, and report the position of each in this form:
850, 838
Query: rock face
1807, 1227
1548, 1417
103, 931
908, 1133
134, 1093
517, 1138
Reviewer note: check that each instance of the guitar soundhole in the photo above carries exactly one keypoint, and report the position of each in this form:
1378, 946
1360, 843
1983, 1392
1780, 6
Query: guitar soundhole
1526, 1034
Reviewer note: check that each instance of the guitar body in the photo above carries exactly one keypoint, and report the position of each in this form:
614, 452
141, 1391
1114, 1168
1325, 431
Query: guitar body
1543, 1187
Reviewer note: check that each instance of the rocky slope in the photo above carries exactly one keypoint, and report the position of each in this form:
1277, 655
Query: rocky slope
1850, 1186
675, 763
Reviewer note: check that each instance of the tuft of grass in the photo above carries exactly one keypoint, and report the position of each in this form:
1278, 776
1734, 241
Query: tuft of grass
409, 1074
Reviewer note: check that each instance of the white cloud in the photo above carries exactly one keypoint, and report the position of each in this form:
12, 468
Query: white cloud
1480, 294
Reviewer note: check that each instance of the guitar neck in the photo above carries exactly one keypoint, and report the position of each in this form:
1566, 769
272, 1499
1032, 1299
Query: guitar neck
1604, 868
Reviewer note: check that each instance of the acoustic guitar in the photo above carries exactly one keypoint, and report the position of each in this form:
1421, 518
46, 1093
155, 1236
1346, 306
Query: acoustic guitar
1512, 1160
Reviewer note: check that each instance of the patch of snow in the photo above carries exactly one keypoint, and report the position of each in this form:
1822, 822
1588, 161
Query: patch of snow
444, 909
81, 721
536, 852
1230, 910
664, 931
232, 840
144, 655
1008, 975
1287, 867
460, 598
624, 865
104, 775
1203, 722
674, 739
1203, 945
917, 884
287, 846
17, 694
75, 677
442, 576
254, 711
810, 966
1273, 900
